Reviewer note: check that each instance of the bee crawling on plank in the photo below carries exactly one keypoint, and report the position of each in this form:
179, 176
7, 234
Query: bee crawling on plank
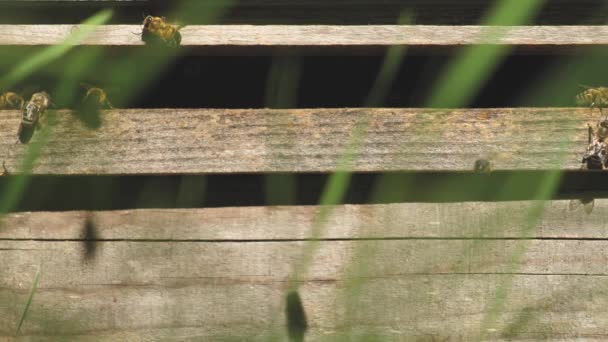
595, 158
482, 166
593, 97
93, 101
10, 100
157, 31
31, 113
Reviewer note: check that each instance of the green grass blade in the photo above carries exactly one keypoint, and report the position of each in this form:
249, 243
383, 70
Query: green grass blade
470, 70
29, 301
46, 56
15, 188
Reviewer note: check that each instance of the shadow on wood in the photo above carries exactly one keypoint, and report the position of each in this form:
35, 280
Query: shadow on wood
90, 238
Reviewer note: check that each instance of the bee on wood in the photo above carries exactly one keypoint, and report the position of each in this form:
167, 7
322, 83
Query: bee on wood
10, 100
593, 97
482, 166
601, 130
31, 113
93, 101
595, 158
157, 31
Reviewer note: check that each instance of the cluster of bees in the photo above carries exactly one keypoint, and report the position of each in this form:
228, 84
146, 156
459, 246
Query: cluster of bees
156, 31
596, 155
94, 100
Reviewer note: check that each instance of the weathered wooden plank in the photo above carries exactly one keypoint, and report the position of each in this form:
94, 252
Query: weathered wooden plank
403, 220
413, 288
451, 306
318, 35
166, 141
541, 306
67, 264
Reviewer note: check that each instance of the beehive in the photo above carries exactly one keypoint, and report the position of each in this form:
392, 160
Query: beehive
212, 192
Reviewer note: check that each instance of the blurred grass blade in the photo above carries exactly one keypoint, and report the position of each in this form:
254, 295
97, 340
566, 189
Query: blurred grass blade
389, 69
29, 301
16, 186
470, 70
296, 317
281, 92
339, 180
46, 56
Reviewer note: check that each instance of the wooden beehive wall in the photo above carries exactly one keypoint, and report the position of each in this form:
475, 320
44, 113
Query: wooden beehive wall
162, 225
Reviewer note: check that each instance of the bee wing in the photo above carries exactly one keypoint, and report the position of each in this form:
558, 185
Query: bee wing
586, 203
574, 204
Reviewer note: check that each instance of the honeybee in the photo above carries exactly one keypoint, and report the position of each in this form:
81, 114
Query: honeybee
10, 100
594, 97
157, 31
31, 113
93, 101
482, 166
595, 158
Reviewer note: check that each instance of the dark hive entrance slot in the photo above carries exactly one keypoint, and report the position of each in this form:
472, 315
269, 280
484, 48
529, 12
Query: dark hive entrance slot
333, 81
48, 193
301, 12
339, 81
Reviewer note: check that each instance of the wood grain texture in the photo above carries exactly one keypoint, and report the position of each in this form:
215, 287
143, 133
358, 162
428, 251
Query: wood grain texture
286, 223
166, 141
440, 307
540, 307
318, 35
222, 273
412, 287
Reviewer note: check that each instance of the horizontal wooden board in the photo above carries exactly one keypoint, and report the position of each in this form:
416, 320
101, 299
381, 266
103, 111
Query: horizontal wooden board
538, 307
173, 141
391, 221
399, 271
319, 36
179, 263
412, 287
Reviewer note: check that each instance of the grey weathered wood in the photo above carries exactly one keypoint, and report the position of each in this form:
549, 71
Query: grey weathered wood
540, 307
161, 263
404, 220
224, 36
165, 141
222, 273
209, 287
